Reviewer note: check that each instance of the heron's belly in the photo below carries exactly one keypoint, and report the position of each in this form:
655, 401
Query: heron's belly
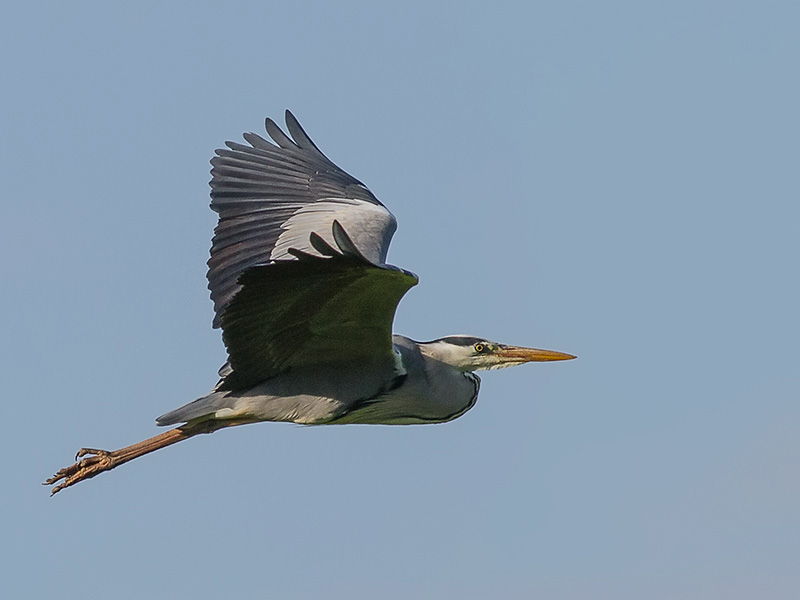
309, 398
303, 409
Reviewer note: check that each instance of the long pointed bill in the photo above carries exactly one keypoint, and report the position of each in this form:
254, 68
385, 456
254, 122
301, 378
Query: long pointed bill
518, 354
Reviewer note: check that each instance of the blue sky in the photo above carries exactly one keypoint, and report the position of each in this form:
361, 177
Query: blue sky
616, 180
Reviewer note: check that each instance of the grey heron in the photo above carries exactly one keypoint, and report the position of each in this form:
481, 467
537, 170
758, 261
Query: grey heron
306, 301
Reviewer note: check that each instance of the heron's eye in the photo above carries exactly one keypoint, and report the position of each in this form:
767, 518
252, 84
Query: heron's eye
479, 347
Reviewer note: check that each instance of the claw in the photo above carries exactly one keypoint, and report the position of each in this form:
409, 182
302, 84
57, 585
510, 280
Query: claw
96, 462
84, 451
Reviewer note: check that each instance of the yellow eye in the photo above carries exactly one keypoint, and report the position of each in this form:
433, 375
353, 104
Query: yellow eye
479, 347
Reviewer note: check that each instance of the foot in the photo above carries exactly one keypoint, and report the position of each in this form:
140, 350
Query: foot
96, 462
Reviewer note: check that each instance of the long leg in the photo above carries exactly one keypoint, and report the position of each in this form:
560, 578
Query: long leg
91, 462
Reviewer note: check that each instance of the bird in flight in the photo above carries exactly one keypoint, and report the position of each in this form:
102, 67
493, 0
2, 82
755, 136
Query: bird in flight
305, 300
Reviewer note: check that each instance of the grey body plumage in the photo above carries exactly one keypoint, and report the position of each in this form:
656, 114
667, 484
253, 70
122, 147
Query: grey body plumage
306, 301
419, 390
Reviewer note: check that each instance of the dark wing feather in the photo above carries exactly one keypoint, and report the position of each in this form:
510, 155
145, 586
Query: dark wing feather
332, 309
271, 196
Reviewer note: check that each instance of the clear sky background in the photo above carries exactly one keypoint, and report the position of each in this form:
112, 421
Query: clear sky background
618, 180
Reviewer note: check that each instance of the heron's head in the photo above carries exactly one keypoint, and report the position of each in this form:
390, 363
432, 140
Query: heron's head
467, 353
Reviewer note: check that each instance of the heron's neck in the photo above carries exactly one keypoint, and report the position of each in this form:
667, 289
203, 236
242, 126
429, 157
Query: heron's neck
455, 357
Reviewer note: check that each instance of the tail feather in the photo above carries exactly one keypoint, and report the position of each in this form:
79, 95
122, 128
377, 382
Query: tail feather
202, 407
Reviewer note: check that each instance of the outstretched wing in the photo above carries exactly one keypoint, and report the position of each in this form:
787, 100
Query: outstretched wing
333, 307
271, 196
